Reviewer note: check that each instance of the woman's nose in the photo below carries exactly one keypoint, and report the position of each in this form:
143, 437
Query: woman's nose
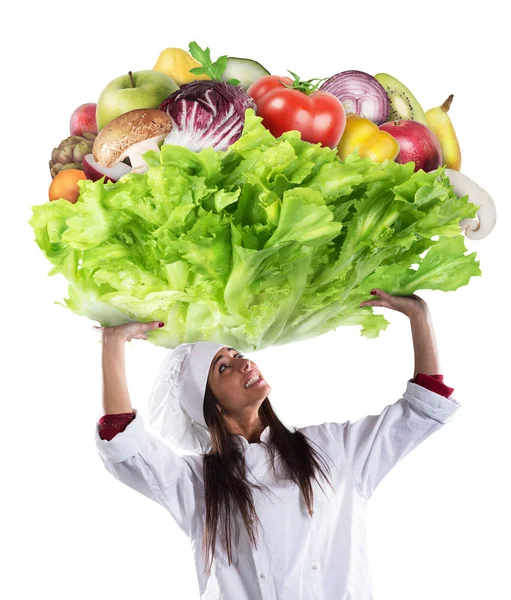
246, 364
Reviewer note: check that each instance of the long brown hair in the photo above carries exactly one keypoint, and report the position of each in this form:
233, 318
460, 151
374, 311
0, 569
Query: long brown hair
225, 484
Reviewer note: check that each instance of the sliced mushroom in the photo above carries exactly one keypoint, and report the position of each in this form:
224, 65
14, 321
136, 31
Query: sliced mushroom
487, 214
131, 135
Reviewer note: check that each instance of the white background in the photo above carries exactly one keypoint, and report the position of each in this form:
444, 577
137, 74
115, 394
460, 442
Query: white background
439, 526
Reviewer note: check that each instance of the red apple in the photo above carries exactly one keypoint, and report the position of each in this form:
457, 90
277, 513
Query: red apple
417, 143
83, 120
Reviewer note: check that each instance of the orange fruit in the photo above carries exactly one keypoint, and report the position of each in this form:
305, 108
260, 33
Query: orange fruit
65, 185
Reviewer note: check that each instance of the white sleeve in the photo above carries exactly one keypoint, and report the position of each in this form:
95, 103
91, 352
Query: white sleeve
376, 443
143, 462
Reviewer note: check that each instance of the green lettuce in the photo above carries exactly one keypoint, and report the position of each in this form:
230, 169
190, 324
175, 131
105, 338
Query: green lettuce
272, 241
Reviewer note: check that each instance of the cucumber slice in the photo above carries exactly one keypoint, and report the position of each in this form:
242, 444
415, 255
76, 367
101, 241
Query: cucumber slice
245, 70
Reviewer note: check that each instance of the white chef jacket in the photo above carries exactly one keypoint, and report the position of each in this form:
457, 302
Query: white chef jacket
324, 557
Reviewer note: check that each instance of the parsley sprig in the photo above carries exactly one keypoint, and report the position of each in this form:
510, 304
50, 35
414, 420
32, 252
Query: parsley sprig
215, 70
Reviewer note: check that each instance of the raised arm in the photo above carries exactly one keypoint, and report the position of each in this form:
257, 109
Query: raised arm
116, 398
373, 445
424, 343
135, 456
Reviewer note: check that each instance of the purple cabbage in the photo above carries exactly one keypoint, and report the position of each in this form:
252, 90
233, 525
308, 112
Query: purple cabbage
206, 114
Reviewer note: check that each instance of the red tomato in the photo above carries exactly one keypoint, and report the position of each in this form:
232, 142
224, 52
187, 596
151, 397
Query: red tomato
319, 117
265, 84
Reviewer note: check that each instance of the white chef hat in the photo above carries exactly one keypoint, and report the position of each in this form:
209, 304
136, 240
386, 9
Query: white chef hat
177, 400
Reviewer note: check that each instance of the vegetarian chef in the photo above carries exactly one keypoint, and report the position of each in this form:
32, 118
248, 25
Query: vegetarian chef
271, 511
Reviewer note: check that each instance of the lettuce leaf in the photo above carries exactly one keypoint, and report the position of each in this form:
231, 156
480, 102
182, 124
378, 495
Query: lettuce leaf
272, 241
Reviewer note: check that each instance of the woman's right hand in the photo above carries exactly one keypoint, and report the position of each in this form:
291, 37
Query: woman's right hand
128, 331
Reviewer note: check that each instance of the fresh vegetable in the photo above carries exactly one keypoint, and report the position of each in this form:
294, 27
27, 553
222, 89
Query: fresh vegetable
206, 114
441, 125
236, 71
94, 171
130, 135
269, 242
474, 229
360, 93
214, 70
176, 63
364, 135
294, 105
267, 83
65, 185
245, 70
70, 152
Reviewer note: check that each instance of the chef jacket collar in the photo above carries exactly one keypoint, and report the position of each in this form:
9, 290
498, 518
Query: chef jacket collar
245, 444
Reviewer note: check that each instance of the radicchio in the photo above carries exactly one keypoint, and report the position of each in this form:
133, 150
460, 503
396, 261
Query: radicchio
206, 114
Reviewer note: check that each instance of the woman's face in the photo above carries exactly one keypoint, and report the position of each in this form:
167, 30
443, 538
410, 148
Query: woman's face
228, 375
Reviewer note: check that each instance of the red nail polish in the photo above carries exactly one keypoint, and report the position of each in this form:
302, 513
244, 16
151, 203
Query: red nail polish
372, 292
160, 324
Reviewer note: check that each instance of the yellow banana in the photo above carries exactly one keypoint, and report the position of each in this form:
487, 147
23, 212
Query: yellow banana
440, 123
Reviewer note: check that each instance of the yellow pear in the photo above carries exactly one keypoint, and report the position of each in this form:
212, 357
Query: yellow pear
440, 123
176, 63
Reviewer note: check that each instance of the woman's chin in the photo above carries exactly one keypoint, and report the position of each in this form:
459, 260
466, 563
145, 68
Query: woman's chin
264, 390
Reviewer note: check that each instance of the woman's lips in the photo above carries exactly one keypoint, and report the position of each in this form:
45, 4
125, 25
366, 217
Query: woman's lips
258, 382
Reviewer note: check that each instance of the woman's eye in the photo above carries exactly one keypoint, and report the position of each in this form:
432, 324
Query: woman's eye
220, 368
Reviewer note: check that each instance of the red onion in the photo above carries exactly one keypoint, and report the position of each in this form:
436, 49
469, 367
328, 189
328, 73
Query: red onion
94, 171
360, 93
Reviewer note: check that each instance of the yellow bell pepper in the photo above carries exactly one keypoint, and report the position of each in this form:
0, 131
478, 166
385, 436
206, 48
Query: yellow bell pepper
176, 63
371, 141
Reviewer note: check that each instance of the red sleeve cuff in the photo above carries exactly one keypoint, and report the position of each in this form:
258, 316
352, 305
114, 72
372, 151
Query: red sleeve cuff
434, 383
111, 425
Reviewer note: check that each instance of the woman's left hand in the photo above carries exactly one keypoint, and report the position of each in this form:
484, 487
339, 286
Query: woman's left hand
408, 305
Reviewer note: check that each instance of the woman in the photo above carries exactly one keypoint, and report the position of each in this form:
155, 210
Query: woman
295, 530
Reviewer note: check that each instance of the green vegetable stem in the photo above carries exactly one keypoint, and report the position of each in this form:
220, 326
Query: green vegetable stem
307, 87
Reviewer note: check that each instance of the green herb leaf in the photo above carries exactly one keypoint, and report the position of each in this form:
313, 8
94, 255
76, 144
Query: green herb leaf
214, 70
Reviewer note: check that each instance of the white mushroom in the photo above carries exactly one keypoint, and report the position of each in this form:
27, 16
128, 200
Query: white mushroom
487, 214
131, 135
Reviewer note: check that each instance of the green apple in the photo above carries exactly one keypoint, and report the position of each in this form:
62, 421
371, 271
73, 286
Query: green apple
142, 89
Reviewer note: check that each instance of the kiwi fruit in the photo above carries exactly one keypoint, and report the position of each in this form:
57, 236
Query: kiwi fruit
403, 104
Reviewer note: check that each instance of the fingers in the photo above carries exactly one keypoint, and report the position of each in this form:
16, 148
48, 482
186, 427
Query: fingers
149, 326
377, 292
380, 292
134, 330
374, 303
